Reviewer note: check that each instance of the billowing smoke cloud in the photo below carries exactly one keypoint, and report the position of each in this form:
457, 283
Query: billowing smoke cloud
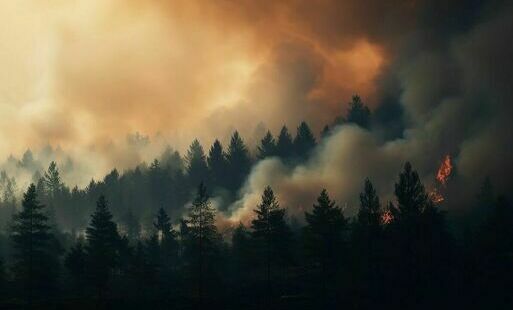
81, 76
452, 82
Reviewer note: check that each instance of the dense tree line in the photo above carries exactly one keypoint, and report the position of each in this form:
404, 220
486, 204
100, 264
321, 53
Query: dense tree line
127, 241
407, 261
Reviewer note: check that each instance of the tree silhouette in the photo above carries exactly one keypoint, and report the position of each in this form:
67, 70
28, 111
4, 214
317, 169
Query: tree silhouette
217, 164
239, 162
102, 247
270, 233
326, 226
368, 245
358, 113
267, 147
202, 236
35, 264
284, 146
419, 242
304, 142
197, 168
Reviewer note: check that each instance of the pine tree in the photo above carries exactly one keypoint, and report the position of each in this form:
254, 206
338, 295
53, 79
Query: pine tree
326, 226
417, 243
197, 169
358, 113
202, 236
368, 244
217, 164
271, 233
267, 147
52, 181
284, 146
304, 142
163, 224
167, 236
239, 162
411, 195
102, 245
326, 132
369, 214
35, 264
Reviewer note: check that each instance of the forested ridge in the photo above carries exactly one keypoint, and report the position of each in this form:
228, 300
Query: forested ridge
148, 237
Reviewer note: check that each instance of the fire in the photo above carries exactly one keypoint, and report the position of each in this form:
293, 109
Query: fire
436, 197
442, 176
387, 217
445, 170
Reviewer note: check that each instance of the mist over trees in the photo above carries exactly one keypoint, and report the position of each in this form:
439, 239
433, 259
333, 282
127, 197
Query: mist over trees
154, 236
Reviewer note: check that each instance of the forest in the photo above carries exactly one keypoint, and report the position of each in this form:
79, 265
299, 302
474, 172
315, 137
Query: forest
149, 237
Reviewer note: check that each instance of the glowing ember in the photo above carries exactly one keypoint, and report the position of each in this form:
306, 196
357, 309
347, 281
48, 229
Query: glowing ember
436, 197
445, 170
387, 217
442, 176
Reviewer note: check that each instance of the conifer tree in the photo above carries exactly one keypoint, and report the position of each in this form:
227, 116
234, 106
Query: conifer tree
202, 236
239, 162
369, 214
271, 233
417, 242
102, 246
326, 132
284, 146
326, 226
358, 113
197, 169
368, 244
217, 164
167, 236
267, 147
35, 264
52, 181
304, 142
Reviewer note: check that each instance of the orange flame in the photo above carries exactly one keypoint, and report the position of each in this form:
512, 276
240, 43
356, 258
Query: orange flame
445, 170
436, 197
387, 217
442, 176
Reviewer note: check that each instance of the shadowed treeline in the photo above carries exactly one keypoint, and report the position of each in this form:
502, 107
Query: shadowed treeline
150, 238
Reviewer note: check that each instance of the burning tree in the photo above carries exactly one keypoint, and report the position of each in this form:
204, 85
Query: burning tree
442, 177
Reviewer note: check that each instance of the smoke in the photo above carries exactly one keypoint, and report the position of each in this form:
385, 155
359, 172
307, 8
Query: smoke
452, 83
81, 76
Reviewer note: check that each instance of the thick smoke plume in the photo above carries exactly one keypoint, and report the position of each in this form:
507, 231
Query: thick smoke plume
452, 84
436, 74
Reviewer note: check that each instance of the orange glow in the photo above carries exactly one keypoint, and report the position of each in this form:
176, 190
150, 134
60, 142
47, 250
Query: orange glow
442, 176
387, 217
445, 170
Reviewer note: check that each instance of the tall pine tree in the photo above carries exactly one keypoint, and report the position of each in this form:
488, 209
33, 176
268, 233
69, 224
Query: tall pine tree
239, 162
197, 169
271, 234
267, 147
325, 231
102, 246
284, 146
217, 164
304, 142
35, 265
203, 239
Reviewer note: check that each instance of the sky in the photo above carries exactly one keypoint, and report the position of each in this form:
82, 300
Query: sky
82, 75
78, 74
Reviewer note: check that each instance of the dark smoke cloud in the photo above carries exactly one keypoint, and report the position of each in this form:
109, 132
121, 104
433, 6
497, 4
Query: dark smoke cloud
451, 76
